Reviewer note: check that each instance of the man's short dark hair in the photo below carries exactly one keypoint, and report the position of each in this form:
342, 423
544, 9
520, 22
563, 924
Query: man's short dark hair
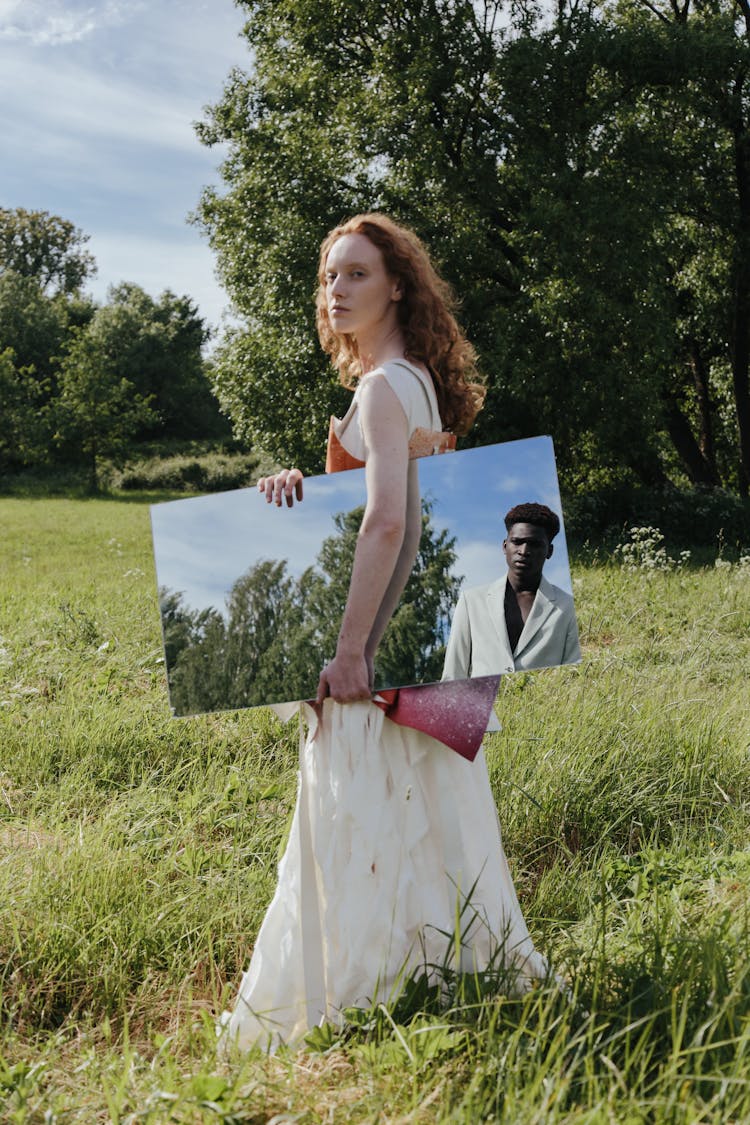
538, 514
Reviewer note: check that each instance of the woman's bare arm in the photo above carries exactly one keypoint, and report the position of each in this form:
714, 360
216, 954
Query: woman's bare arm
379, 543
404, 564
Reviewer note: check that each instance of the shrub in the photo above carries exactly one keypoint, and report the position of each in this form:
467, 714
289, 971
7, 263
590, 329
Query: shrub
691, 516
208, 472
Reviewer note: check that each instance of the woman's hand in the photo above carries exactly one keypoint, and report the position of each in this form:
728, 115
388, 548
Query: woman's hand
345, 679
287, 483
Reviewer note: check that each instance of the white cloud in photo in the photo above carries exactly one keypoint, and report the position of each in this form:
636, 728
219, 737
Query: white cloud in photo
479, 561
202, 545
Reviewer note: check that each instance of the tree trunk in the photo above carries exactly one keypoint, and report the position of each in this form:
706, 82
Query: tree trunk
706, 439
741, 288
93, 478
647, 468
678, 427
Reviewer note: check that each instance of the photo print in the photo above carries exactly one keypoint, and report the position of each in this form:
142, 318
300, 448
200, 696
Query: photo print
251, 595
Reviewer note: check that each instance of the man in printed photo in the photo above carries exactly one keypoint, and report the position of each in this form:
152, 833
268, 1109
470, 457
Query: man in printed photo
520, 621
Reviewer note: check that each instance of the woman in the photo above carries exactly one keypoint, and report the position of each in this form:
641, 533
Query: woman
395, 846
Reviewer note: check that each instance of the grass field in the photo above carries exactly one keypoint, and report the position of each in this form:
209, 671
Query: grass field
138, 853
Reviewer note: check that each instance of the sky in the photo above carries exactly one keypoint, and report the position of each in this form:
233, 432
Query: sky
97, 105
202, 545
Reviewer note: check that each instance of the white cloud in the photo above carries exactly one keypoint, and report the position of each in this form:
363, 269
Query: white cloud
97, 105
56, 23
72, 106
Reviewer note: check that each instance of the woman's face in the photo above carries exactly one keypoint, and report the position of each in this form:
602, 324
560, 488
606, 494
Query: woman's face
360, 294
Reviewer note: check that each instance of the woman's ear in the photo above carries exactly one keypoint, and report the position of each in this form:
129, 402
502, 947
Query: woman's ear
397, 291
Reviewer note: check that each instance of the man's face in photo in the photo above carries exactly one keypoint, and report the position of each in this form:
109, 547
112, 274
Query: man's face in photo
526, 549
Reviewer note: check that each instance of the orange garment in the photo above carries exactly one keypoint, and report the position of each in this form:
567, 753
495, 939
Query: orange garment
422, 443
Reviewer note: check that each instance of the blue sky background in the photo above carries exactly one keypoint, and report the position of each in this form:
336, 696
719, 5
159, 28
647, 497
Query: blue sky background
97, 104
203, 545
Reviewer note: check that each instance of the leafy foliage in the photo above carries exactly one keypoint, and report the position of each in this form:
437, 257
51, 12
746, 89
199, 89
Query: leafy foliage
189, 472
97, 410
44, 247
583, 180
133, 349
156, 345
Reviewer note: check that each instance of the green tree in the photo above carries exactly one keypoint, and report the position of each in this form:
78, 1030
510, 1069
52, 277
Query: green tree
157, 346
97, 411
150, 349
583, 179
689, 68
333, 120
34, 325
34, 328
43, 264
45, 247
24, 432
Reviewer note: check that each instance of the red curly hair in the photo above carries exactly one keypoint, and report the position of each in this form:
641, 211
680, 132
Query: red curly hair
425, 312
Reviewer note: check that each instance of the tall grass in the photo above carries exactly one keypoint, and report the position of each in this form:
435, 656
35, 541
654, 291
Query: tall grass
138, 854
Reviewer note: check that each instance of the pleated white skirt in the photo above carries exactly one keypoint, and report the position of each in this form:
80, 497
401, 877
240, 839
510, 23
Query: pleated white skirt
394, 848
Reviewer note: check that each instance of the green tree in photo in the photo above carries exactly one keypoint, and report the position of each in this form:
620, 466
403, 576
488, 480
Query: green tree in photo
238, 658
276, 632
413, 645
197, 670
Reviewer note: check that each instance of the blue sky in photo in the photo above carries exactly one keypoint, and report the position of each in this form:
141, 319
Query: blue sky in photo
472, 492
98, 101
204, 544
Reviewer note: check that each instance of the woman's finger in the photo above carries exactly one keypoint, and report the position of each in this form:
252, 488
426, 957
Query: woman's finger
266, 485
278, 486
293, 485
323, 688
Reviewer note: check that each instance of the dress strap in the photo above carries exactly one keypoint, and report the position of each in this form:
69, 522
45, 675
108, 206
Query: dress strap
427, 386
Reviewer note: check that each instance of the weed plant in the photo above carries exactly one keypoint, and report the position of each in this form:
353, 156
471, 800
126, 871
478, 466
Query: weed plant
138, 854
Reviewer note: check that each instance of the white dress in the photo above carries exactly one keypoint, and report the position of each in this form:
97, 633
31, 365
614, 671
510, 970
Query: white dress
394, 848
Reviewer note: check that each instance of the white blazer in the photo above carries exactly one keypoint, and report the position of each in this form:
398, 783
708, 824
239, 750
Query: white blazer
478, 644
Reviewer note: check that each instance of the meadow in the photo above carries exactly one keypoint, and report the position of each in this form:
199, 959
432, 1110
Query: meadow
138, 854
